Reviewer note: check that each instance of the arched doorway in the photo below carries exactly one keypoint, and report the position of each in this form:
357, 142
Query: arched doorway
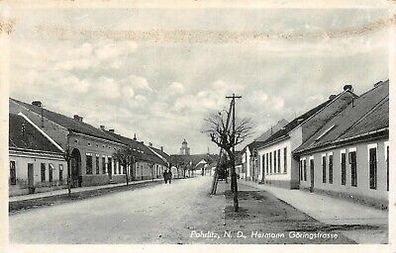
75, 164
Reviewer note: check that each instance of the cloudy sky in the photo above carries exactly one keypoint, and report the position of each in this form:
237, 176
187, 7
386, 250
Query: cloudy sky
157, 72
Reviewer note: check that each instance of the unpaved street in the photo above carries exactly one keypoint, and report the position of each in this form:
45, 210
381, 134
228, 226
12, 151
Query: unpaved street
156, 214
179, 213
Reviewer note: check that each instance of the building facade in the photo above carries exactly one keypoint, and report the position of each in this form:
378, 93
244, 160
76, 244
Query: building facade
36, 162
276, 164
349, 156
91, 150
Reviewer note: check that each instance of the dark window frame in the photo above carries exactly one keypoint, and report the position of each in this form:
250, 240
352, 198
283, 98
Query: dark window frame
42, 171
51, 168
324, 169
373, 168
88, 164
279, 161
285, 160
331, 169
343, 168
305, 169
13, 173
353, 163
60, 173
103, 165
97, 165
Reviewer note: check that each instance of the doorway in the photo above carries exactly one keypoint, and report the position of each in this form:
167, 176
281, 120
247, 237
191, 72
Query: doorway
75, 164
312, 170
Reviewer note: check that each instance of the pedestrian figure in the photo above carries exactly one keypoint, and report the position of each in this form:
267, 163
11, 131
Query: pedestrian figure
170, 176
165, 175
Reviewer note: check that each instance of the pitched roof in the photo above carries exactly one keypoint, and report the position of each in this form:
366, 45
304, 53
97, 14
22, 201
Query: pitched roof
194, 159
361, 116
273, 129
161, 153
67, 122
23, 135
314, 116
374, 120
264, 136
145, 155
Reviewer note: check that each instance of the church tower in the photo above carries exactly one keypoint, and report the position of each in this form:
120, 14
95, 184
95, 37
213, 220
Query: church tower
184, 150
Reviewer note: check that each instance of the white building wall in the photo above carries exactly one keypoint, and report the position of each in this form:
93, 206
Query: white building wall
288, 178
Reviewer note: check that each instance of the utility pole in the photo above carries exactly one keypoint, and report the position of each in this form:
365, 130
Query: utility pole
234, 185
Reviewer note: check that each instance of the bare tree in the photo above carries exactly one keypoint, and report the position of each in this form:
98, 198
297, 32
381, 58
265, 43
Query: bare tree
126, 157
217, 127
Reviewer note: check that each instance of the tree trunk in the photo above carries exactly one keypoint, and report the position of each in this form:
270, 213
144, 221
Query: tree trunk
214, 184
234, 186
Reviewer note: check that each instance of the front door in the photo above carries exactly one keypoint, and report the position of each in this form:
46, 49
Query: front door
312, 167
30, 175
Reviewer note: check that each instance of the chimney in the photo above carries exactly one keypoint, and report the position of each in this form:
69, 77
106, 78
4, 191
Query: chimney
332, 97
102, 127
348, 87
134, 137
36, 103
78, 118
150, 144
111, 130
377, 83
162, 148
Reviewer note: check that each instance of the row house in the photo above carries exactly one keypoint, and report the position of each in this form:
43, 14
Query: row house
36, 161
90, 149
274, 155
349, 155
249, 159
149, 163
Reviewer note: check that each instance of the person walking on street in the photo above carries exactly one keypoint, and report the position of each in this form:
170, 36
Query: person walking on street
170, 176
165, 175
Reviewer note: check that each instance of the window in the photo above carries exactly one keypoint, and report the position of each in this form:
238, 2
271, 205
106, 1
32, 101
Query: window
324, 169
42, 172
373, 167
387, 167
124, 169
343, 168
88, 163
60, 172
50, 172
109, 165
115, 166
103, 165
263, 163
270, 161
275, 169
285, 160
352, 162
305, 169
12, 173
266, 161
330, 169
279, 163
97, 164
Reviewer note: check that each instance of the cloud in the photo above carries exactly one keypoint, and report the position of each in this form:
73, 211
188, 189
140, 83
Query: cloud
138, 83
106, 87
162, 91
176, 87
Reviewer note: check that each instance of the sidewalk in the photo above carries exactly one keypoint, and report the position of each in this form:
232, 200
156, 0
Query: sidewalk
74, 190
327, 209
